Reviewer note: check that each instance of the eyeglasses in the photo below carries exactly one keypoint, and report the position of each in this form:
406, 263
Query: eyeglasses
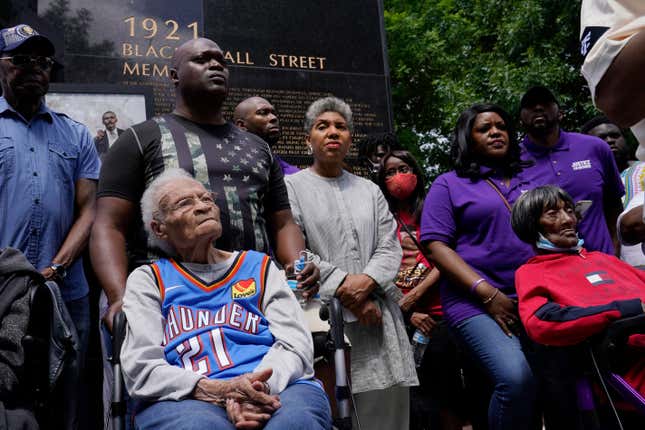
44, 63
393, 171
189, 202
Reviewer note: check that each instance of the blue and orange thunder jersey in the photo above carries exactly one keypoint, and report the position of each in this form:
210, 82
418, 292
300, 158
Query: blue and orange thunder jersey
217, 329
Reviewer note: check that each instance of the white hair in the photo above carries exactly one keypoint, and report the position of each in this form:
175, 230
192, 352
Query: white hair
328, 104
150, 206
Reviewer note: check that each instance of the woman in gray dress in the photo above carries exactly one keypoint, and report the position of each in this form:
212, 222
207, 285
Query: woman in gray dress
347, 224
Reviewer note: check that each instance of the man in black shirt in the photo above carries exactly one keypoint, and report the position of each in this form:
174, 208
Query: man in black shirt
236, 165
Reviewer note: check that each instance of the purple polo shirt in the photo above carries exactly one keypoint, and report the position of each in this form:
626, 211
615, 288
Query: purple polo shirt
584, 167
287, 169
471, 218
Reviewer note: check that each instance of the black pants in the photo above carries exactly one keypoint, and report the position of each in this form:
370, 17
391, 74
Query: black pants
440, 384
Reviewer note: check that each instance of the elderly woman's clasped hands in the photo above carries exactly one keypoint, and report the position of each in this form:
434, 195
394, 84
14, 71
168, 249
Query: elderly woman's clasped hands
246, 398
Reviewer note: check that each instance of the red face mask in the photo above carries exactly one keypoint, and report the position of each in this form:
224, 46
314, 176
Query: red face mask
401, 185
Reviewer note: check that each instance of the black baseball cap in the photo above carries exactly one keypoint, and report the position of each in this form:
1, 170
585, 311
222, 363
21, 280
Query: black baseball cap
537, 94
13, 37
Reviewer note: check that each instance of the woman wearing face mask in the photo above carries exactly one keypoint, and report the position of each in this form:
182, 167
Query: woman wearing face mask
466, 227
435, 402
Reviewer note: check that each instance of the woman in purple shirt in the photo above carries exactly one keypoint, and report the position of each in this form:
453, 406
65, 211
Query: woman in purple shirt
466, 227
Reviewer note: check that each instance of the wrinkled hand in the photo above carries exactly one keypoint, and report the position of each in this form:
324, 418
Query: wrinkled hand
423, 322
368, 313
408, 301
246, 415
504, 311
112, 310
355, 290
249, 388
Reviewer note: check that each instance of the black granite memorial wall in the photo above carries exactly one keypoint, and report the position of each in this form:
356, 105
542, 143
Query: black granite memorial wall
288, 51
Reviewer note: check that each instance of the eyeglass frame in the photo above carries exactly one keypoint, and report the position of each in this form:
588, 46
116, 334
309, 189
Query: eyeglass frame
401, 169
177, 207
33, 60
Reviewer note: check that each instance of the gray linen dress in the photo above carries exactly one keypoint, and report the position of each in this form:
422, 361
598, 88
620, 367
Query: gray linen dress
347, 223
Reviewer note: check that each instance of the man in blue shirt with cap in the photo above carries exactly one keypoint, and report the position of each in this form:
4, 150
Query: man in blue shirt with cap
48, 173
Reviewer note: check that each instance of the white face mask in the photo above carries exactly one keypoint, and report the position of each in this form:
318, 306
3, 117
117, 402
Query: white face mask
547, 245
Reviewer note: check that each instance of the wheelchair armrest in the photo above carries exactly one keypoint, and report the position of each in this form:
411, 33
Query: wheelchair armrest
625, 327
118, 336
610, 345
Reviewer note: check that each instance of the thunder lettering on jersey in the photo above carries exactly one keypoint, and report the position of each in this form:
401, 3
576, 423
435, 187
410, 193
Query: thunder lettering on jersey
217, 329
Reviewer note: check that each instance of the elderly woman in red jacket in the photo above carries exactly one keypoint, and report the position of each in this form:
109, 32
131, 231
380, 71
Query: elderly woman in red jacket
567, 294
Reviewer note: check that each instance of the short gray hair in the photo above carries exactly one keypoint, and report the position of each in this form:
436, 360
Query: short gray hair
150, 206
328, 104
528, 208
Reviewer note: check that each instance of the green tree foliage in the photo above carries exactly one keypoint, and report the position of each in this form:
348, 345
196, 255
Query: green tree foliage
75, 26
448, 54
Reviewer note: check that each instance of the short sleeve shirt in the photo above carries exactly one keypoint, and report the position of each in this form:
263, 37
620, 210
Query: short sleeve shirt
471, 217
40, 162
238, 166
584, 167
634, 181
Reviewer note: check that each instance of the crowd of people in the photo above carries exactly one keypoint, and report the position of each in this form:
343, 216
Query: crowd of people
193, 225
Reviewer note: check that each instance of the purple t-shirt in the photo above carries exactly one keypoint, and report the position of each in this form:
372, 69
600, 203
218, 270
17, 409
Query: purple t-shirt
287, 169
584, 167
471, 218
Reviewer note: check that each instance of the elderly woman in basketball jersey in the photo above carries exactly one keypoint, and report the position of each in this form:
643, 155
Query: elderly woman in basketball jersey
214, 339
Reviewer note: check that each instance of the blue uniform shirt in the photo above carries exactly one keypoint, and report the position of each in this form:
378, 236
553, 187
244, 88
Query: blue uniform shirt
40, 162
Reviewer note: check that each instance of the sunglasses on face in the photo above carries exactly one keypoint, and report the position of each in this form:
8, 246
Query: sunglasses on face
44, 63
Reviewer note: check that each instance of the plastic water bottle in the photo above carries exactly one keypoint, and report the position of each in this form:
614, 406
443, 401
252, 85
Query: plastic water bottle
419, 345
298, 265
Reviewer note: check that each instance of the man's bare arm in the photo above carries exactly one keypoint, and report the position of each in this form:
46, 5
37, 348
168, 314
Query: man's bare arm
620, 93
286, 235
289, 241
76, 240
107, 250
632, 228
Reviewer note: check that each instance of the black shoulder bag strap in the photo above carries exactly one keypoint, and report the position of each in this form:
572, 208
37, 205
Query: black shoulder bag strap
414, 237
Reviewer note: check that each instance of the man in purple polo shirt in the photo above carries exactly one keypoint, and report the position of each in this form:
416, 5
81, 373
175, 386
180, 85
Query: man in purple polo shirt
580, 164
256, 115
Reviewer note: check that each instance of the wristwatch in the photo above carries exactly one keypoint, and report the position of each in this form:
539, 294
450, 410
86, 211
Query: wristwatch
59, 270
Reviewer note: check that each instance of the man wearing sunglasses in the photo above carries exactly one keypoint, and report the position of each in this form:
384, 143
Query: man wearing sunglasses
48, 173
